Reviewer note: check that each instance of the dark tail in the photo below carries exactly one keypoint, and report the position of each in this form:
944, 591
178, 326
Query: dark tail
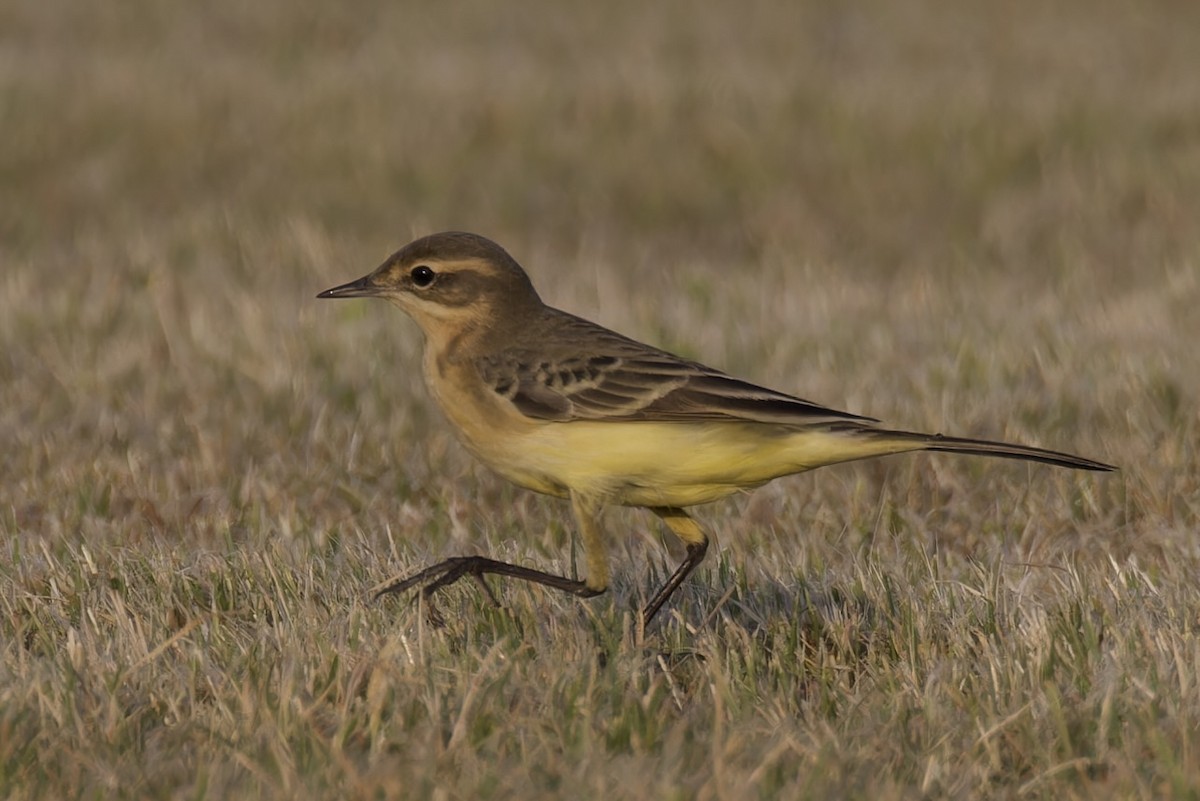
978, 447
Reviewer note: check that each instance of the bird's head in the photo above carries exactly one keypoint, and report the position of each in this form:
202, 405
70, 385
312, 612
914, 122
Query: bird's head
448, 281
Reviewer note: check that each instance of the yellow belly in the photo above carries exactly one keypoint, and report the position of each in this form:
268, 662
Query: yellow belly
661, 464
635, 463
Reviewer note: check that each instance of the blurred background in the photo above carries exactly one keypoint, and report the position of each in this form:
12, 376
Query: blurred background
970, 217
871, 137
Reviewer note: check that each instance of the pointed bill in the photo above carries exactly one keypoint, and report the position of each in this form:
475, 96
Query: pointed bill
362, 288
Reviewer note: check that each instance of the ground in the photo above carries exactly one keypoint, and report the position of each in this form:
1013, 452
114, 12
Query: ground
968, 218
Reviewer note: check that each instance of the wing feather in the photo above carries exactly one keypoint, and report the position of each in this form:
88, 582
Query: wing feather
621, 379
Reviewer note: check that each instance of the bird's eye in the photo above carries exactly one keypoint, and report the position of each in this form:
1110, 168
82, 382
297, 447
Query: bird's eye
422, 276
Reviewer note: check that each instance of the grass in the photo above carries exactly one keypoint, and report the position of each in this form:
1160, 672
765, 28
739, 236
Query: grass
975, 220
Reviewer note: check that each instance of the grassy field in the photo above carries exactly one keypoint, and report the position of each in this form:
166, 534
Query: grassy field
981, 219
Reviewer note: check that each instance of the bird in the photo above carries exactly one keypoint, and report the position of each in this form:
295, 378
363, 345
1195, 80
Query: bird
563, 406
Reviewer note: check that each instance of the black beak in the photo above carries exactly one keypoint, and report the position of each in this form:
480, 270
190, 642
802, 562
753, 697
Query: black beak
362, 288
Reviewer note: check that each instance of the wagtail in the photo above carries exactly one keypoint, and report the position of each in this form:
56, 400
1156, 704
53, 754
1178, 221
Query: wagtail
566, 407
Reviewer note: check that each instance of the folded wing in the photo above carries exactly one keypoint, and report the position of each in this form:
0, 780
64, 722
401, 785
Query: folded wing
615, 378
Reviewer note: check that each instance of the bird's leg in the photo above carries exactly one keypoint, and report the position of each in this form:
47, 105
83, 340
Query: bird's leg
690, 532
448, 571
587, 522
586, 509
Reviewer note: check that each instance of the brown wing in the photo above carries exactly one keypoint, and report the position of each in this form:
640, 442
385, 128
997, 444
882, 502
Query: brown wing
616, 378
